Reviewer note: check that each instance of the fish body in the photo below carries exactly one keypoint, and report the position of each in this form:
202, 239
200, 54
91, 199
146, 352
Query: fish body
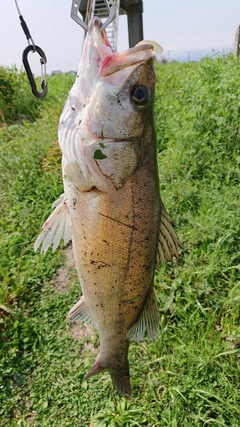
111, 207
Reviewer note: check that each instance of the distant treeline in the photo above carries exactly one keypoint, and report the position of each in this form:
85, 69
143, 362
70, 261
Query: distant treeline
193, 55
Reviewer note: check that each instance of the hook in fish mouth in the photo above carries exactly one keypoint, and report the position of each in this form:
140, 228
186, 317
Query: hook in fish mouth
75, 9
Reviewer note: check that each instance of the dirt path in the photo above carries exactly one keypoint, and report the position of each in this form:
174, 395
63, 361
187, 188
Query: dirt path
62, 281
63, 277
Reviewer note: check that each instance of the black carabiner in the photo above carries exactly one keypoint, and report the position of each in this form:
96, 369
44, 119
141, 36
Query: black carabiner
43, 61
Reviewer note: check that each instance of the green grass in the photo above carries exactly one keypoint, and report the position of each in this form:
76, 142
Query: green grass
190, 375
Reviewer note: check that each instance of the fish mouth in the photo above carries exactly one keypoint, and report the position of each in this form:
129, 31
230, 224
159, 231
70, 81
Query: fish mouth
127, 58
95, 25
117, 67
113, 63
117, 61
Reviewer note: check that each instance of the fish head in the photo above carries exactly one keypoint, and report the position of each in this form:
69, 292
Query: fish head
109, 110
122, 97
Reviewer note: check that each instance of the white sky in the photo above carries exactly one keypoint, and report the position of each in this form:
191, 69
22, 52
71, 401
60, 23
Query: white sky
175, 24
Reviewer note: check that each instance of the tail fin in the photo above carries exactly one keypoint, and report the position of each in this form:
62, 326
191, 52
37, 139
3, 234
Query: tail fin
120, 382
94, 370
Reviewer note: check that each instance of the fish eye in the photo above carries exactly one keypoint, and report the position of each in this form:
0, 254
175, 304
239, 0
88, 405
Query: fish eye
140, 96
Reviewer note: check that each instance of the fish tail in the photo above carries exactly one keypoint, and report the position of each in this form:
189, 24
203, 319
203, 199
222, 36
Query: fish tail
94, 370
122, 384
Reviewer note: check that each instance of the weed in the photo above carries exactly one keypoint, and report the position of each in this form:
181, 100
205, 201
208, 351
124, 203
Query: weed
190, 375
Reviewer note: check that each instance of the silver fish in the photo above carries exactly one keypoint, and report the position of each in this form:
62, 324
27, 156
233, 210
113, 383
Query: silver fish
111, 208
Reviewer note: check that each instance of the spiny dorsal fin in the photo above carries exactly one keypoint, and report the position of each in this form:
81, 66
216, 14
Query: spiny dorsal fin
57, 227
168, 241
148, 320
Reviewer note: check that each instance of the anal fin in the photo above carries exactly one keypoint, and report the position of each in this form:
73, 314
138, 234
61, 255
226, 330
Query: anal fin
57, 227
148, 321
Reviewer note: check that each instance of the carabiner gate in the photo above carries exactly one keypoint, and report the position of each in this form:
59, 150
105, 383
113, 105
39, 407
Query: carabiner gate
43, 61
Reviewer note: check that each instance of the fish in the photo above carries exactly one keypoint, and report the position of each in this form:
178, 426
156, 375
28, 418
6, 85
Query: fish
111, 207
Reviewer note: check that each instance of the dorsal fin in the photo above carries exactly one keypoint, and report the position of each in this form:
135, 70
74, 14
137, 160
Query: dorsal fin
148, 321
168, 240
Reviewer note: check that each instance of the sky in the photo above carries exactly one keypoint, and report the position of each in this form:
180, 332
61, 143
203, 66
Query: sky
177, 25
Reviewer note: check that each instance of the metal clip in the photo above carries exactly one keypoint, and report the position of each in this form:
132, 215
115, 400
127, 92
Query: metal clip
43, 61
75, 9
112, 13
75, 16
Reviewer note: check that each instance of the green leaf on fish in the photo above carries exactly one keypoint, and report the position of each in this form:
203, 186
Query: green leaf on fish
98, 155
102, 145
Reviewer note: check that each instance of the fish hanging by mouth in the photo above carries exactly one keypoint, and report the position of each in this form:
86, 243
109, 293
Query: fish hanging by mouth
111, 207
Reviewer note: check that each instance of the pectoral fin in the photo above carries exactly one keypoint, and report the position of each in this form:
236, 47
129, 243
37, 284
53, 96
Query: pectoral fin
168, 241
83, 182
148, 320
57, 227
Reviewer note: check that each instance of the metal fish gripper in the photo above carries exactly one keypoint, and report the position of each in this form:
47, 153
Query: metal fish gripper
75, 13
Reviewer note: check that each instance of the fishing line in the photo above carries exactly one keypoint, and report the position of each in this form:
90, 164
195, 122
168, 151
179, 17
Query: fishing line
16, 3
24, 26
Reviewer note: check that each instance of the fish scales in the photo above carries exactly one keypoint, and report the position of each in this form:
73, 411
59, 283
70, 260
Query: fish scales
115, 236
111, 207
